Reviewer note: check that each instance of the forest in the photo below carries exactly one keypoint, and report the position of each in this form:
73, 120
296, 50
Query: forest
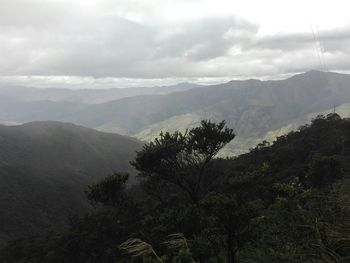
286, 201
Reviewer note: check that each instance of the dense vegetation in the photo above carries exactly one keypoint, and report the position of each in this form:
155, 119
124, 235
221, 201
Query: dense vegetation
286, 202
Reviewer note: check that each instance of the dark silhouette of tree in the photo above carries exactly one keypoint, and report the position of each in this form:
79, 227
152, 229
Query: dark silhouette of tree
111, 191
182, 161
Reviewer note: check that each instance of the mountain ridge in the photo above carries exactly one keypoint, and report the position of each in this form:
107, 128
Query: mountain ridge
251, 107
87, 96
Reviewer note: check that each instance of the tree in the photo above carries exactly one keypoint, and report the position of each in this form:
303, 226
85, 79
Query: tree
182, 161
110, 191
177, 172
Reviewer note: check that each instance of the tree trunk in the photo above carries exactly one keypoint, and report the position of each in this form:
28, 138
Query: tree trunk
230, 251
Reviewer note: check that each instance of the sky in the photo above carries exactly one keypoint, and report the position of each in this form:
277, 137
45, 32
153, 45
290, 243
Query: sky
127, 43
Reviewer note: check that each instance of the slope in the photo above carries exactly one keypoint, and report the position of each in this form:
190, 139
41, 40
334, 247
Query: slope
287, 202
257, 112
44, 169
239, 102
252, 107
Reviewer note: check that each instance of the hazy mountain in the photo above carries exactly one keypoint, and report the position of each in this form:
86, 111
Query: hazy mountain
267, 110
44, 169
133, 114
16, 111
252, 107
89, 96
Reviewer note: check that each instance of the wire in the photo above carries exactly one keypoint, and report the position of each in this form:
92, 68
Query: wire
316, 45
321, 48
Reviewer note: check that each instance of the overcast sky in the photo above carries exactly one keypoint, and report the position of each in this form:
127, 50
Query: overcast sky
121, 43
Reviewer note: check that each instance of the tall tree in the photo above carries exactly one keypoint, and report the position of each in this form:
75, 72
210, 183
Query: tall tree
182, 161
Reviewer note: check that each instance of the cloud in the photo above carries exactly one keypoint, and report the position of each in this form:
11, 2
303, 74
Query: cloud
111, 45
155, 39
205, 39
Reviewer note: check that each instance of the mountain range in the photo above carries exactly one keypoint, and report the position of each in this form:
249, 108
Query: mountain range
257, 110
88, 96
46, 165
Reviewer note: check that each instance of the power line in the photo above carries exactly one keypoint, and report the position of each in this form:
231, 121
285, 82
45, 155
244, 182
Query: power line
315, 44
321, 48
317, 47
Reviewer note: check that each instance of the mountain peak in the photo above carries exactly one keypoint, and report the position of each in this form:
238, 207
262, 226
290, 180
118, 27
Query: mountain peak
309, 74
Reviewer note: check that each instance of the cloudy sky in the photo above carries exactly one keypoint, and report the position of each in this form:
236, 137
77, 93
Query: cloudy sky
122, 43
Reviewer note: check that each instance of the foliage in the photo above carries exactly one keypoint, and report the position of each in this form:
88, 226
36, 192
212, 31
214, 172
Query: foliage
285, 202
181, 161
109, 191
138, 248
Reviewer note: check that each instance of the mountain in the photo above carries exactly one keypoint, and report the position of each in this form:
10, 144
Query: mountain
87, 96
16, 111
254, 108
44, 169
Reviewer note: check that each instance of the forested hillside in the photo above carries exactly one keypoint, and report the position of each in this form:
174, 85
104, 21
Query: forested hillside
285, 202
44, 169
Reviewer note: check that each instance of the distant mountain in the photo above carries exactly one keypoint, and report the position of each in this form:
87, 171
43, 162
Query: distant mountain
88, 96
44, 169
252, 107
133, 114
15, 111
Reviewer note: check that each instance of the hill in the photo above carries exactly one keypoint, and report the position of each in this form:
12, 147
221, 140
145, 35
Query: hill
44, 169
255, 109
285, 202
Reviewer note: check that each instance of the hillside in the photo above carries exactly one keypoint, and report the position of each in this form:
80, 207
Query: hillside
285, 202
44, 169
254, 109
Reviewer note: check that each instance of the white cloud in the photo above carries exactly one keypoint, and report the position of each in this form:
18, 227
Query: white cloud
170, 39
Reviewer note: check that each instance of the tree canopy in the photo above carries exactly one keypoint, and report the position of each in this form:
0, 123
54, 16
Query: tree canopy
283, 202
